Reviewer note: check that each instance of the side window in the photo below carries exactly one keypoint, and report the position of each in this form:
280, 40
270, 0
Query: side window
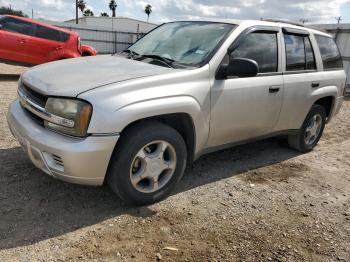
329, 52
13, 25
261, 47
64, 37
48, 33
299, 53
310, 55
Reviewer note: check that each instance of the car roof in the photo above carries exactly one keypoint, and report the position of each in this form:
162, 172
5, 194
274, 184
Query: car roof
268, 22
43, 24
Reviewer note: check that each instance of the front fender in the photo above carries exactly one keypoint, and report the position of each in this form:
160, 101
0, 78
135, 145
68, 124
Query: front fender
86, 49
117, 121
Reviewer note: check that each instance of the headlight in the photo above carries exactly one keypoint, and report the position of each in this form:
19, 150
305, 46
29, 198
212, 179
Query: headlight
69, 116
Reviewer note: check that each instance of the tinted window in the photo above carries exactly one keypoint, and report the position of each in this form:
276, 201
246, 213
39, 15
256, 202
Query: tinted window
47, 33
329, 52
260, 47
310, 56
10, 24
64, 37
299, 53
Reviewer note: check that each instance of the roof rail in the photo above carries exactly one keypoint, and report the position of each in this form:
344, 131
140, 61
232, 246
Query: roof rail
283, 21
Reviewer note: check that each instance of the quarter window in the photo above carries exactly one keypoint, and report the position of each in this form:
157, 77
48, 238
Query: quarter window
329, 52
261, 47
10, 24
299, 53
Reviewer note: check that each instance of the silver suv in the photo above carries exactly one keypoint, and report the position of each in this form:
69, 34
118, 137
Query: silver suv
136, 119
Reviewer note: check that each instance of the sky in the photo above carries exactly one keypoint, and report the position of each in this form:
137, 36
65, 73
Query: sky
314, 11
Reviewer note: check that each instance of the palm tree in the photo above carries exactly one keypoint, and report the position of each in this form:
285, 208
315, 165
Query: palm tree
148, 11
82, 5
88, 12
113, 6
104, 14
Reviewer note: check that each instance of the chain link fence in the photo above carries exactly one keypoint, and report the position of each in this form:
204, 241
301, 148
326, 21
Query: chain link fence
105, 41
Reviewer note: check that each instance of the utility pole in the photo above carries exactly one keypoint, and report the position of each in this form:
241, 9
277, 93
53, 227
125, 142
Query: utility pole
32, 13
76, 12
339, 19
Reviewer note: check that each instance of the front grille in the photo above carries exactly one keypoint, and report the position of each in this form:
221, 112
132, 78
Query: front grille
34, 96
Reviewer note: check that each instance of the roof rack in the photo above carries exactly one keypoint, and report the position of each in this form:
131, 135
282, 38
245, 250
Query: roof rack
283, 21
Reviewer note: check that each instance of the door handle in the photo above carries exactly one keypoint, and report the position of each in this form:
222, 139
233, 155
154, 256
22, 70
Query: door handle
22, 41
59, 48
274, 89
315, 84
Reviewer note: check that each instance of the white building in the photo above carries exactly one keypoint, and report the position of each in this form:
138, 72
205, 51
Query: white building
119, 24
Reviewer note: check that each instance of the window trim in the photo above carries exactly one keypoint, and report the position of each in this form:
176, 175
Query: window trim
285, 71
313, 53
295, 31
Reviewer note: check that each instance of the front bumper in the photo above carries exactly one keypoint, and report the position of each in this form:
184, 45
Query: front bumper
80, 161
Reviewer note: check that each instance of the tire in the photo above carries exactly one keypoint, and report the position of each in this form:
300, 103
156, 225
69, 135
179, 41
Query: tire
131, 160
300, 140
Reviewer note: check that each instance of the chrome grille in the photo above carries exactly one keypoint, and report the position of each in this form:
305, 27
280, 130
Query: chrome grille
34, 96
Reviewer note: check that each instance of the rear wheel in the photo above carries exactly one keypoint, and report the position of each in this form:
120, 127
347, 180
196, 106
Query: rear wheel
311, 130
147, 163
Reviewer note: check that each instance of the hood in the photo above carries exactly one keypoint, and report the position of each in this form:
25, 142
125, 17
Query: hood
74, 76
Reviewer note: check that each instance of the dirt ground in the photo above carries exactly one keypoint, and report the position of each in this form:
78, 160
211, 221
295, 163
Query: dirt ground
257, 202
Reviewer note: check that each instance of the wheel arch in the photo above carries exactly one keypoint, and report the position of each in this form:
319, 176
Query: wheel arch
181, 122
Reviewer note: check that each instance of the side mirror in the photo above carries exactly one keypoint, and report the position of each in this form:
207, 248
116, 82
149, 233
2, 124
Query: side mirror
239, 67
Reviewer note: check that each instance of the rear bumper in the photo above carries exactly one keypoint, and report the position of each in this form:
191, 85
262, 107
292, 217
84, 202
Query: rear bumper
80, 161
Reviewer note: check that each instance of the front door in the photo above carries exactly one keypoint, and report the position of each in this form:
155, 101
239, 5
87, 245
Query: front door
245, 108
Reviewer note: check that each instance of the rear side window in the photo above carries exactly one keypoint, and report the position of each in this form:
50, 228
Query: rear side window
13, 25
64, 37
261, 47
299, 53
48, 33
329, 52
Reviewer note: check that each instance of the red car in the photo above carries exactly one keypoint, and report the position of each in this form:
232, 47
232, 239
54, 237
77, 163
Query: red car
26, 41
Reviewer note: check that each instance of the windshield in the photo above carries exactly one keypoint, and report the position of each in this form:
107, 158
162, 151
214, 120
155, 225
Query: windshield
186, 43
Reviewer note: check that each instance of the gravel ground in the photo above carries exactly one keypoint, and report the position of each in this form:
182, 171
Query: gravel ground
258, 202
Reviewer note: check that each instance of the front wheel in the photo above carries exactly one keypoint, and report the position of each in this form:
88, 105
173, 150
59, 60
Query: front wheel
147, 163
311, 130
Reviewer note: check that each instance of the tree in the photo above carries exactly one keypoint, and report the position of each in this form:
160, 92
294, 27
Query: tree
148, 11
113, 6
10, 11
104, 14
82, 5
88, 12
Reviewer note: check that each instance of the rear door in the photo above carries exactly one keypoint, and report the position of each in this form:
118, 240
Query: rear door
301, 77
47, 44
14, 37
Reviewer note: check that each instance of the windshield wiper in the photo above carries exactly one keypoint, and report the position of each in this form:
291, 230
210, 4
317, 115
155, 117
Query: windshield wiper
131, 53
169, 62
